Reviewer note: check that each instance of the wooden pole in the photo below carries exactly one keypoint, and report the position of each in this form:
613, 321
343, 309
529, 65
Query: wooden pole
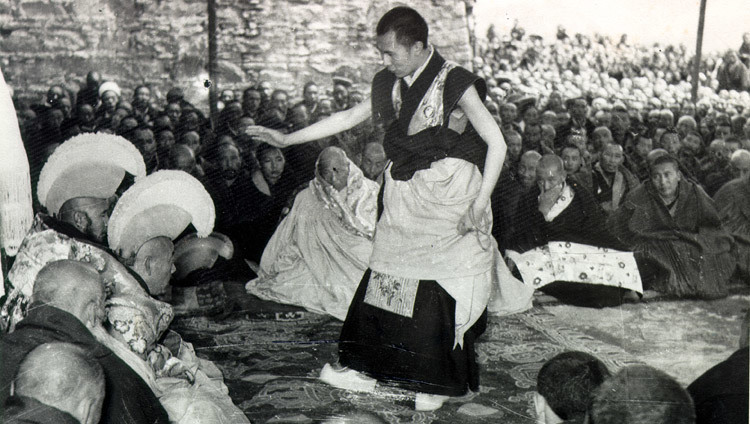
212, 65
698, 48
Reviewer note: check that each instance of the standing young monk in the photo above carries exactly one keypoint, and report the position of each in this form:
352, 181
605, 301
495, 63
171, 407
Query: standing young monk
419, 308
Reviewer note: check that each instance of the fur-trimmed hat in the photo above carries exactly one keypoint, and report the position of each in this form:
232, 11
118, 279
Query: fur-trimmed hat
110, 86
87, 165
162, 204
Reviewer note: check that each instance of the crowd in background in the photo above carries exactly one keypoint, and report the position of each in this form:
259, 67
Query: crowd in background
615, 114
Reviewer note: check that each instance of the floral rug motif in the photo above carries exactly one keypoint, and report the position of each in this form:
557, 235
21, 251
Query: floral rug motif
271, 366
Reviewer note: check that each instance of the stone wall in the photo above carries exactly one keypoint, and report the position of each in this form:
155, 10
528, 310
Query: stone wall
163, 43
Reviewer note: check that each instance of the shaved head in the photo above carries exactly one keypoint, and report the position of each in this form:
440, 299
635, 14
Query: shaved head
64, 376
550, 162
72, 286
333, 167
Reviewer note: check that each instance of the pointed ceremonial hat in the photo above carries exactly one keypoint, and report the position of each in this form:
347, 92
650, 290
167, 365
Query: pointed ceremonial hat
87, 165
162, 204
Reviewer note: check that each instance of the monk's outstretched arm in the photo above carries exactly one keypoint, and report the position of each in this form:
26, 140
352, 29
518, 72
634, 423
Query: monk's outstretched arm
334, 124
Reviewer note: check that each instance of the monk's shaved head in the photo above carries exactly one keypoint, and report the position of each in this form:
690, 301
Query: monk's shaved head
550, 162
64, 376
333, 167
72, 286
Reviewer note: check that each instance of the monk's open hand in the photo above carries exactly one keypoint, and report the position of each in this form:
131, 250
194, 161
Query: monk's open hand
548, 198
266, 135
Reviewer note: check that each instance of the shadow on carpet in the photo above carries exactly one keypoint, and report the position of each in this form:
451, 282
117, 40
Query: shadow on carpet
271, 363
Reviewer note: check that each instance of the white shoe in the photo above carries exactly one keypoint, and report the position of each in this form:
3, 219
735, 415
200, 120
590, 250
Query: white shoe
428, 402
347, 379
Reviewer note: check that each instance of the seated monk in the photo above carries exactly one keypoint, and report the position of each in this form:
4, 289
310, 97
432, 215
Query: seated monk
320, 251
56, 383
509, 189
68, 306
76, 187
374, 161
733, 204
612, 181
148, 216
575, 166
675, 230
586, 269
233, 189
190, 389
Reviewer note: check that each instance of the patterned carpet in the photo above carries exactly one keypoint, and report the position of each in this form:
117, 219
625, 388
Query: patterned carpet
271, 362
271, 355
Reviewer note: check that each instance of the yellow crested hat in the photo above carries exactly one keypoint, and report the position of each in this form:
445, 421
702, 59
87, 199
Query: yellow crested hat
87, 165
162, 204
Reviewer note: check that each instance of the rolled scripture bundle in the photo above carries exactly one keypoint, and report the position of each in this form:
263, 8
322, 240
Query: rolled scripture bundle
16, 214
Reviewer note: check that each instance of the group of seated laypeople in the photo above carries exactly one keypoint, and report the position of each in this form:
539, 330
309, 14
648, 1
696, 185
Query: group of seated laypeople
89, 270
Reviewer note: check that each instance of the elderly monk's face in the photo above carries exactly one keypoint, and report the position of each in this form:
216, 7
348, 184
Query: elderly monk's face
373, 162
336, 173
612, 157
549, 177
666, 178
98, 218
159, 269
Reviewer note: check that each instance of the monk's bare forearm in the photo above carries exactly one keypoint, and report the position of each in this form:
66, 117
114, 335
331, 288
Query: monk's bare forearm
489, 131
332, 125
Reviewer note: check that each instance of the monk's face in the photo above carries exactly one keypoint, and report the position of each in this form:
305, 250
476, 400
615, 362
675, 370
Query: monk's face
373, 162
155, 263
549, 177
400, 59
98, 218
666, 178
572, 160
337, 173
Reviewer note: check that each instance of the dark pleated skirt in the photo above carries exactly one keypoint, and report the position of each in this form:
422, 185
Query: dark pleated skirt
412, 353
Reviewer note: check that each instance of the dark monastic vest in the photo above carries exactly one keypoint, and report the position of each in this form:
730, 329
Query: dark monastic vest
424, 124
